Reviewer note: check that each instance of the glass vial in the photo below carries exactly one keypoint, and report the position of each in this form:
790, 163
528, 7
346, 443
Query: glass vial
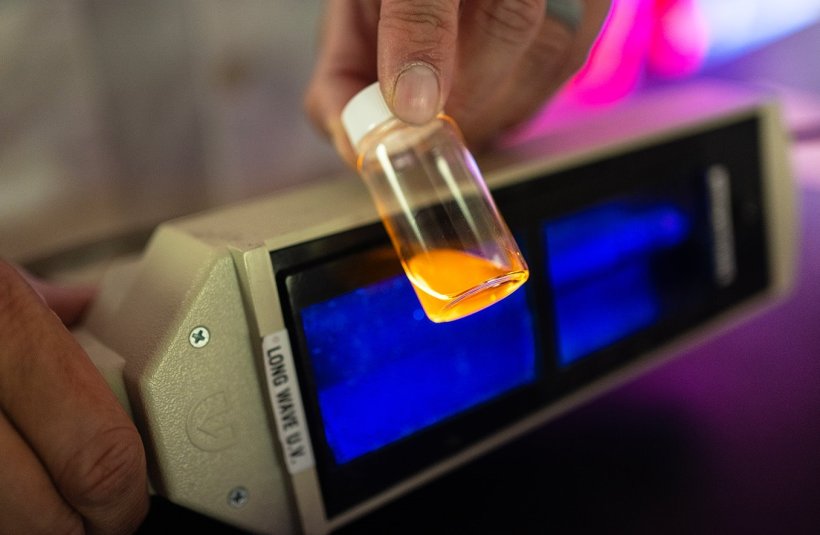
454, 245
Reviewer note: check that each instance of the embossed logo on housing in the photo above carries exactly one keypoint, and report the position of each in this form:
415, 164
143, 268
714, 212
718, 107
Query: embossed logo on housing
210, 424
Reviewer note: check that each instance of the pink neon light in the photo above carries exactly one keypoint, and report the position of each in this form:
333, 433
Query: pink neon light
617, 59
640, 39
679, 41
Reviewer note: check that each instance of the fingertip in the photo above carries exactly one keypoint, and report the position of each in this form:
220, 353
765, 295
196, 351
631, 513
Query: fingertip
341, 142
324, 105
68, 302
314, 105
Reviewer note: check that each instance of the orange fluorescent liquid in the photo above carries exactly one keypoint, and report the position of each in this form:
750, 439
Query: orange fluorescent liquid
451, 284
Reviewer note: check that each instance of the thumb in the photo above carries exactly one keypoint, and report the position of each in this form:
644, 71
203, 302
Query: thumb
416, 56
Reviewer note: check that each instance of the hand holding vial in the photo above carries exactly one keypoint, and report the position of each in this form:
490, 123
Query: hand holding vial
488, 64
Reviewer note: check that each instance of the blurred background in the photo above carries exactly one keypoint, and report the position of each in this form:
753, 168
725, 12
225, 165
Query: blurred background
116, 116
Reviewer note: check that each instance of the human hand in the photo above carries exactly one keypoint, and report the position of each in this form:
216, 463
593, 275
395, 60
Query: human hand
490, 64
72, 460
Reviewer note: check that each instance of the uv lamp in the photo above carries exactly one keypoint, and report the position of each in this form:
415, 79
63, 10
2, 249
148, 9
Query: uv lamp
285, 379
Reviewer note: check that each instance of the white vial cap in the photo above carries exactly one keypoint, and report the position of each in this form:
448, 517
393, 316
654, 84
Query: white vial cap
365, 111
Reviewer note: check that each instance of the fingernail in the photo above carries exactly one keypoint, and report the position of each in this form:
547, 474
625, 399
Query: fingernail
417, 94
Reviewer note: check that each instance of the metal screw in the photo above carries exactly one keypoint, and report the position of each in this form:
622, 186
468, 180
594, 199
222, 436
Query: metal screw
199, 337
238, 497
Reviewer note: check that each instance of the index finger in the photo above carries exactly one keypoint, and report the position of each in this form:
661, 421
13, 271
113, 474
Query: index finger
345, 65
57, 400
416, 56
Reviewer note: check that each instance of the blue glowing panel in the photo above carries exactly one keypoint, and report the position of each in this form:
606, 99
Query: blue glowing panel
384, 371
600, 269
